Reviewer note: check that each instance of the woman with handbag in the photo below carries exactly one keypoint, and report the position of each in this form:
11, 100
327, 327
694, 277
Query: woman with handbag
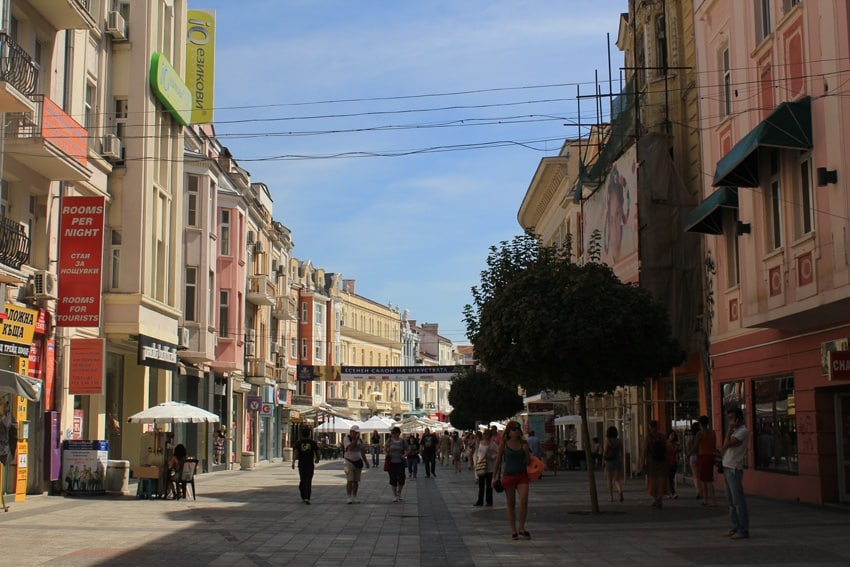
510, 467
484, 456
396, 451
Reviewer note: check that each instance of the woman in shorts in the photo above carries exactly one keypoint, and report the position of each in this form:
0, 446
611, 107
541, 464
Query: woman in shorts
511, 462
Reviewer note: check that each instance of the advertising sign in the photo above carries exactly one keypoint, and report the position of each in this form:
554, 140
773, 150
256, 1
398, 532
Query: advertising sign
157, 354
17, 331
80, 261
253, 403
84, 466
839, 365
86, 367
169, 88
200, 63
366, 373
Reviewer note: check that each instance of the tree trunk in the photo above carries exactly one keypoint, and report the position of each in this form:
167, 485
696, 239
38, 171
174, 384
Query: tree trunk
588, 453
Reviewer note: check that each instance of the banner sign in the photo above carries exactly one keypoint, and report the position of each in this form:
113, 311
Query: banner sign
17, 330
382, 373
157, 354
839, 365
86, 367
200, 63
80, 261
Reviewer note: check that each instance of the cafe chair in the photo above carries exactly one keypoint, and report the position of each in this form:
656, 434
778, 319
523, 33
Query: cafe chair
186, 478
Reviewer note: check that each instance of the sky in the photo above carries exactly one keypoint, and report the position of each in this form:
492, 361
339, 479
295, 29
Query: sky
398, 139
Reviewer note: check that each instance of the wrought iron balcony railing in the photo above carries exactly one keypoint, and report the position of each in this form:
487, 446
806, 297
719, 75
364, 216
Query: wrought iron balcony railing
16, 66
14, 243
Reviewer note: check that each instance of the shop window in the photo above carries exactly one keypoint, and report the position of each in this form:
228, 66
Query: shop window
775, 424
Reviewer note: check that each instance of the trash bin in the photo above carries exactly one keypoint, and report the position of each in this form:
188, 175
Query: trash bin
247, 462
287, 454
117, 477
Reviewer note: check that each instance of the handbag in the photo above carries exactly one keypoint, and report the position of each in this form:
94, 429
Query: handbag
534, 469
497, 486
387, 463
481, 467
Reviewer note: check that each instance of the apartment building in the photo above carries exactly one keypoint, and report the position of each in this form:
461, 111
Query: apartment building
774, 215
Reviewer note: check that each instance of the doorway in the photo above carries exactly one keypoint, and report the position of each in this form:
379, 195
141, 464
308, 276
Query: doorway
842, 429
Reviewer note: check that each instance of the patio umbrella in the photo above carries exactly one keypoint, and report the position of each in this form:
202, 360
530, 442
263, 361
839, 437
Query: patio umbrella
336, 425
375, 422
20, 385
176, 412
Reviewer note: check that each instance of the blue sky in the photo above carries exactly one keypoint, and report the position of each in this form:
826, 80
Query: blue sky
398, 139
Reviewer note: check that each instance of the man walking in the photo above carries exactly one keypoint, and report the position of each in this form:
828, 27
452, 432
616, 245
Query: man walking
306, 452
353, 462
429, 453
734, 450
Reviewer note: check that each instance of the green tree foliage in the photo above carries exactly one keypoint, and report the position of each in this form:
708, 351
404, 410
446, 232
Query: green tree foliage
543, 323
477, 397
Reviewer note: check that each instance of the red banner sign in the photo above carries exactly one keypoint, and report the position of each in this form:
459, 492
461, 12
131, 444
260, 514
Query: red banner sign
80, 261
86, 367
839, 365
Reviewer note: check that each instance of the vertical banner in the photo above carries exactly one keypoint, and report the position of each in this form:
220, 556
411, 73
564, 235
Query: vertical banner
200, 63
80, 261
86, 366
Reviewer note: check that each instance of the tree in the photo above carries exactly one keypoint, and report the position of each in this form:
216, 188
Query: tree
541, 322
477, 397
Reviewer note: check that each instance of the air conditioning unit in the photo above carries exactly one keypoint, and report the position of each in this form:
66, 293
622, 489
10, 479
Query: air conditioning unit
183, 338
44, 285
111, 147
250, 335
275, 348
115, 25
250, 350
258, 247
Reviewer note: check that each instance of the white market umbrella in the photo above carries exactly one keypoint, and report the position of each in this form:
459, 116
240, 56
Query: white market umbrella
176, 412
336, 425
20, 385
376, 423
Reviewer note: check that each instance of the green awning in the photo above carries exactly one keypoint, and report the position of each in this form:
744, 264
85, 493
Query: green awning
789, 126
707, 218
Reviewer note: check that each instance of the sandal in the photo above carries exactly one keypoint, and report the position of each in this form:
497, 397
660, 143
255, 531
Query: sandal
514, 535
525, 534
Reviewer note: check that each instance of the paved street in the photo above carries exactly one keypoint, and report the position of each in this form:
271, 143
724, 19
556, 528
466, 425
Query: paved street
256, 518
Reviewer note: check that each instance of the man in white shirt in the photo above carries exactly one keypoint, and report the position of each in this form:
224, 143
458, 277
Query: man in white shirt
734, 452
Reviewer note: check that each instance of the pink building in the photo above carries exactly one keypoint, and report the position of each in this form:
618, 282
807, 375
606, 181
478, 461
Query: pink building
774, 116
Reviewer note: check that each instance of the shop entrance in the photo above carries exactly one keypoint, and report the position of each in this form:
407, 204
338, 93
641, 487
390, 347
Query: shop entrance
842, 417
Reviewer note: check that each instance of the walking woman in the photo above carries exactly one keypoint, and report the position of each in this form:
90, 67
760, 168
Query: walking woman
484, 457
511, 462
655, 464
613, 456
396, 451
412, 456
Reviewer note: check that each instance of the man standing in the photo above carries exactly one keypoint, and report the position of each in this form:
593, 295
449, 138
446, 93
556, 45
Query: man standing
353, 462
445, 448
534, 444
734, 450
429, 453
306, 452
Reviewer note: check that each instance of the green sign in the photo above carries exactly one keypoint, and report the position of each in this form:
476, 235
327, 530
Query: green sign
170, 89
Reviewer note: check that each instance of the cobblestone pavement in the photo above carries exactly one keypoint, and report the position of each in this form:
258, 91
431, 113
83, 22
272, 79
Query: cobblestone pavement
257, 518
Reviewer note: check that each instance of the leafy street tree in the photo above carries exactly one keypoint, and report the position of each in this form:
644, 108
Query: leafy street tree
477, 397
543, 323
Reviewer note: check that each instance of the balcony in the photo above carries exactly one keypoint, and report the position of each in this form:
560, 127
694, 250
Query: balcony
260, 290
258, 372
18, 76
285, 307
14, 244
48, 141
66, 14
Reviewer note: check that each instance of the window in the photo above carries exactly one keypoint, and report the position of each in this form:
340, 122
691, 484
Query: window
661, 45
764, 22
293, 347
727, 83
192, 199
733, 255
225, 232
90, 110
804, 207
210, 295
190, 307
304, 350
775, 424
318, 351
774, 203
115, 258
223, 313
304, 308
319, 313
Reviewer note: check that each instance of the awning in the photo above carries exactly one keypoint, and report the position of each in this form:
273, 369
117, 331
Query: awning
789, 126
707, 218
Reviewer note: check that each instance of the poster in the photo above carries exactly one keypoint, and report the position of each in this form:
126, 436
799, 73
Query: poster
84, 467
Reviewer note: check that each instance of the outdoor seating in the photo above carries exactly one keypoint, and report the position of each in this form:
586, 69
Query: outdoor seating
185, 478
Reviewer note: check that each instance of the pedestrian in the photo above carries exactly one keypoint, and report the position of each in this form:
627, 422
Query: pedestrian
396, 451
534, 444
734, 451
219, 441
510, 467
375, 443
429, 453
485, 452
353, 462
613, 457
412, 456
457, 450
705, 449
445, 448
672, 461
691, 451
306, 452
655, 464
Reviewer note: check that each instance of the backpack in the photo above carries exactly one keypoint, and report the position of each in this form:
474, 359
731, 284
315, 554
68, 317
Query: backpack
659, 449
